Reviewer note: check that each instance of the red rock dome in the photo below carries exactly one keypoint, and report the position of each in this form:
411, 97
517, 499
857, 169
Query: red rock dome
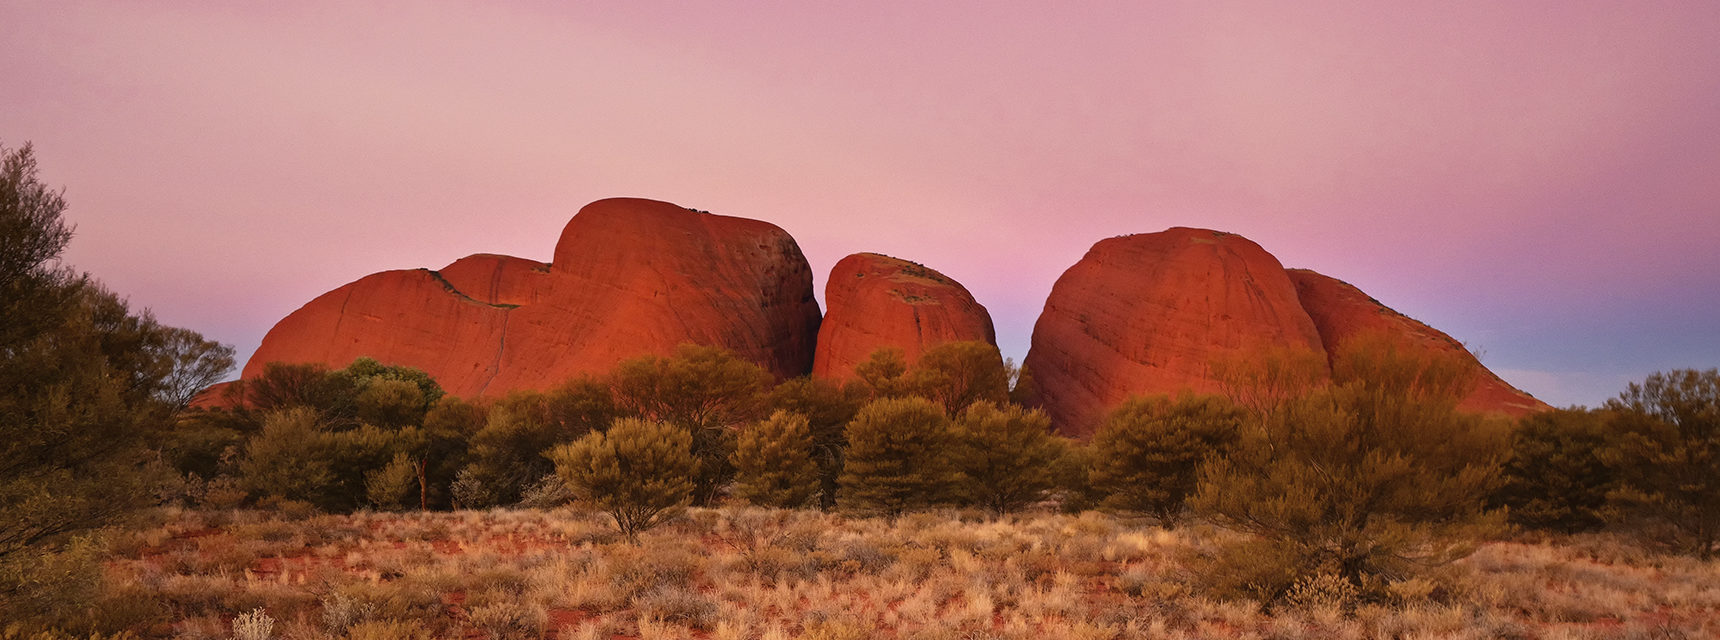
1150, 314
630, 277
1341, 311
877, 301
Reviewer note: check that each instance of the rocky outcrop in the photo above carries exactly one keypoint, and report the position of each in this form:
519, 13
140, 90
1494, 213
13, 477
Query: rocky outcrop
629, 277
877, 301
1152, 313
1341, 311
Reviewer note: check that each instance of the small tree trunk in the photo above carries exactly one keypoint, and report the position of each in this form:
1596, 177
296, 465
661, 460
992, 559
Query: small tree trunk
423, 484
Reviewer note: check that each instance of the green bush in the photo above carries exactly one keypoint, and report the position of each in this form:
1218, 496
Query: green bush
1557, 478
774, 462
1668, 459
957, 374
639, 472
1006, 457
707, 391
507, 455
828, 408
86, 386
1370, 480
1148, 453
896, 459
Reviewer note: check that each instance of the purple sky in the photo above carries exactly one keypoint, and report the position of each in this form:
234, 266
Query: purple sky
1539, 179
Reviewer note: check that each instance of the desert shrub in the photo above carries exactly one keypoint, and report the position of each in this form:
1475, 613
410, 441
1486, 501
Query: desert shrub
957, 374
507, 455
548, 492
1557, 478
707, 391
510, 620
896, 457
1005, 457
1370, 480
1071, 475
341, 611
394, 485
633, 571
639, 472
884, 374
290, 457
774, 462
1668, 459
391, 403
828, 408
253, 625
1148, 453
387, 630
448, 429
679, 605
62, 588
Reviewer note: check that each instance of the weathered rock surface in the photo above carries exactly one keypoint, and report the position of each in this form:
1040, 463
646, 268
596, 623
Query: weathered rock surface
1151, 313
877, 301
629, 277
1341, 311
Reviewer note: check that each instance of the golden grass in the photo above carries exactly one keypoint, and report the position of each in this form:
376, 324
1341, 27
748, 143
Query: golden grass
755, 574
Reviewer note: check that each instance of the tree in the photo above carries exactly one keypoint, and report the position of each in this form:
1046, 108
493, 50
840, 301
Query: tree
189, 365
828, 408
1263, 379
957, 374
580, 406
1005, 457
291, 458
706, 390
448, 430
1669, 458
1148, 453
896, 457
774, 462
85, 385
884, 373
639, 472
1557, 477
1366, 481
507, 455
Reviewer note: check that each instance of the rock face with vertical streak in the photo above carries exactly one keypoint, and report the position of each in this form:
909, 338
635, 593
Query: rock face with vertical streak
877, 301
1341, 311
629, 277
1150, 314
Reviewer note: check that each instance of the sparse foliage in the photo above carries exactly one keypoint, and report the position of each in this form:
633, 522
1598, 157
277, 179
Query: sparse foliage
1369, 480
85, 385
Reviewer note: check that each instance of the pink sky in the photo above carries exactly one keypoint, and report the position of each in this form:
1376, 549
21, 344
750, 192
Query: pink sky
1539, 179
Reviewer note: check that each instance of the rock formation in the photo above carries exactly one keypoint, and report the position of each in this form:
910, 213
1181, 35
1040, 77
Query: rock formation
628, 277
1151, 313
876, 301
1341, 311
